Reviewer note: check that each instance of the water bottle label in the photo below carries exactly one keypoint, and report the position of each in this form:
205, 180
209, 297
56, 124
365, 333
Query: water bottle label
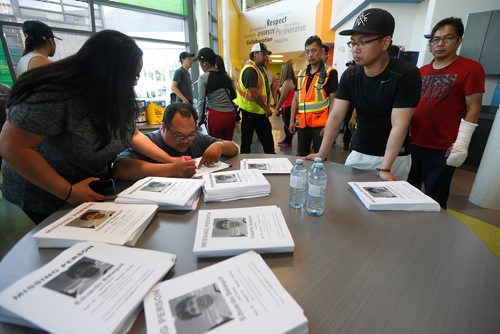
315, 190
297, 181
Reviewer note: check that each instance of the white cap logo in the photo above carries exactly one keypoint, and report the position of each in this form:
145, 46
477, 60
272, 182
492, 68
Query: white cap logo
362, 19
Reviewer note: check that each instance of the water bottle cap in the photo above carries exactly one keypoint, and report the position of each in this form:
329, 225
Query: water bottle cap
318, 159
299, 161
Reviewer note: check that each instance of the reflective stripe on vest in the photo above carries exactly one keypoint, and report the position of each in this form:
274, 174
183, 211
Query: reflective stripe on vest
313, 104
315, 98
244, 98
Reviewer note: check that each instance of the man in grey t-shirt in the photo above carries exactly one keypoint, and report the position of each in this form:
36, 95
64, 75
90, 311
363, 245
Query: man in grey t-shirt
182, 85
178, 136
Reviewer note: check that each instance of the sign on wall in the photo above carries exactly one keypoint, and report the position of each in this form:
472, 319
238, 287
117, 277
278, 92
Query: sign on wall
283, 26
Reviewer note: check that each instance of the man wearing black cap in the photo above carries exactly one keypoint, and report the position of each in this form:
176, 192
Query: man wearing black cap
38, 46
384, 91
253, 92
182, 85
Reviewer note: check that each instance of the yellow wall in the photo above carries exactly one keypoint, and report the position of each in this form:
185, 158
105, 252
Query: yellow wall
234, 19
323, 18
234, 23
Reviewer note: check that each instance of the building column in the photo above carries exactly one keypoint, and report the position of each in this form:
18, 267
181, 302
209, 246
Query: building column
201, 15
486, 188
226, 54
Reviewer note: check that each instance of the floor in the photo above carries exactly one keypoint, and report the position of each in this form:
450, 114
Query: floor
14, 223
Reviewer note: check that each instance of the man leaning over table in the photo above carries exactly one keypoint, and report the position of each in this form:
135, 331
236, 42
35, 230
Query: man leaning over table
384, 91
178, 136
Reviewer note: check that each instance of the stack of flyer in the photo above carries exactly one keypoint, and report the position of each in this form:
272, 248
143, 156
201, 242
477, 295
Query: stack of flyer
112, 223
268, 166
235, 184
88, 288
238, 295
228, 232
168, 193
393, 195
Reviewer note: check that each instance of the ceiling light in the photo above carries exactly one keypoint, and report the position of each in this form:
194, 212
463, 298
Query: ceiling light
276, 56
277, 60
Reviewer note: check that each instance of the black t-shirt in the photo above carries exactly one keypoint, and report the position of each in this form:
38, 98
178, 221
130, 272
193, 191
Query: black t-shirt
398, 86
331, 84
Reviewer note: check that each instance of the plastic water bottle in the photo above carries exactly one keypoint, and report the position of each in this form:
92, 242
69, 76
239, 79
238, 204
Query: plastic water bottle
316, 190
298, 185
315, 161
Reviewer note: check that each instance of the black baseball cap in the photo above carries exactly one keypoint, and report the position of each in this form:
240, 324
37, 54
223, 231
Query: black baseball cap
372, 21
37, 30
205, 54
183, 55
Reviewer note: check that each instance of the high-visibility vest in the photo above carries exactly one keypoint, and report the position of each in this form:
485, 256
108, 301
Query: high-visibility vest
244, 100
315, 102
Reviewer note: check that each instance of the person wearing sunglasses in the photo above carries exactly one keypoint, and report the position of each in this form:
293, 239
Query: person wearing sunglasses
179, 137
448, 112
384, 91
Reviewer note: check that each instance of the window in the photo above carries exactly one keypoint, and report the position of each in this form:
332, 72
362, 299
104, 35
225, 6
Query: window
140, 24
160, 62
160, 36
251, 4
171, 6
213, 28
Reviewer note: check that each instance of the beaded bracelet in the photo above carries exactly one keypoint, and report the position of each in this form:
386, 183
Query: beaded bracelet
383, 170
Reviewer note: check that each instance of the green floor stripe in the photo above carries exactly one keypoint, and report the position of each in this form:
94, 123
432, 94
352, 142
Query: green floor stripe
488, 233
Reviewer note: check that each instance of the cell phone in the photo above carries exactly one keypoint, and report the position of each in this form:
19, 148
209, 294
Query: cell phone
104, 187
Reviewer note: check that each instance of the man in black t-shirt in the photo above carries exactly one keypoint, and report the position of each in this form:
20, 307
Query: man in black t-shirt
182, 85
254, 93
384, 91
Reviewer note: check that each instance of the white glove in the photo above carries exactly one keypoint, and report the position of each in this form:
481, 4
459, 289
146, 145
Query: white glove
459, 149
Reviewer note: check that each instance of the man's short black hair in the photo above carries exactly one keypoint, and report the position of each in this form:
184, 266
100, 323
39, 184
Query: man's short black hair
456, 22
313, 39
185, 109
326, 48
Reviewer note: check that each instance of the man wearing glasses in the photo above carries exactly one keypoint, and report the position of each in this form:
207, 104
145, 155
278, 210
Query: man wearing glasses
316, 87
179, 137
447, 114
384, 91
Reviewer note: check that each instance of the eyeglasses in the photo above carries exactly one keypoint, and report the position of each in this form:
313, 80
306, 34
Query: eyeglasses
181, 137
363, 44
446, 39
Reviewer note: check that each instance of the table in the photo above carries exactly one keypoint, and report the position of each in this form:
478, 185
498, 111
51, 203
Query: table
353, 270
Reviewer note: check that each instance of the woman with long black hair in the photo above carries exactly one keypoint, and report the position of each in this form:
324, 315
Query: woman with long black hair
216, 92
67, 121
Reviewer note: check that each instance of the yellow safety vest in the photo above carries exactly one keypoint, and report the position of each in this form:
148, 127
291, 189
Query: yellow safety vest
314, 103
244, 100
